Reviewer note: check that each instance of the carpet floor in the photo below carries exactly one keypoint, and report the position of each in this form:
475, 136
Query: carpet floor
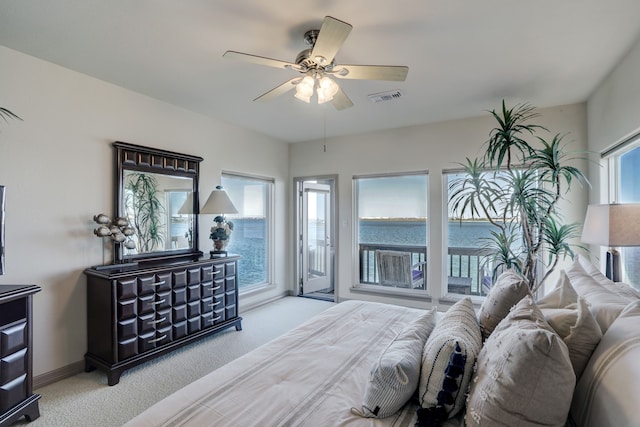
86, 399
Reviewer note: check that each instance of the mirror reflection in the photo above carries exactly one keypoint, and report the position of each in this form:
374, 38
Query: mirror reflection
160, 209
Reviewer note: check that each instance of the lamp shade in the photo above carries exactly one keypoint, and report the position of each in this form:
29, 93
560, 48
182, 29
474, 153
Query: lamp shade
612, 225
218, 203
187, 206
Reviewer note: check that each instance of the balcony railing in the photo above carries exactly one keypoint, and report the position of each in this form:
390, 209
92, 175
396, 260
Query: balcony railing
467, 271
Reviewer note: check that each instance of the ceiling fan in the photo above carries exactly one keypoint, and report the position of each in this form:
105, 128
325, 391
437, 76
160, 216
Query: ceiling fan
317, 65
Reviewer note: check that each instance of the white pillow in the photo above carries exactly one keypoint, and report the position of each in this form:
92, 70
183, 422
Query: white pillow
604, 304
622, 289
579, 331
561, 296
607, 393
447, 362
569, 315
523, 375
395, 374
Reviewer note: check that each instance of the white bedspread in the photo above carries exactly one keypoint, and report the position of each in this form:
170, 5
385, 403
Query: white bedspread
311, 376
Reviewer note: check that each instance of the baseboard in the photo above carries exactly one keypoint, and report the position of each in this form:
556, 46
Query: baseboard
58, 374
247, 307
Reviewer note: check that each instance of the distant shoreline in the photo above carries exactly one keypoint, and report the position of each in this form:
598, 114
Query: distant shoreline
419, 220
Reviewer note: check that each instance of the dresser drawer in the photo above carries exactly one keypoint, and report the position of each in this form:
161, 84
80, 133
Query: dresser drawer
13, 366
13, 392
13, 337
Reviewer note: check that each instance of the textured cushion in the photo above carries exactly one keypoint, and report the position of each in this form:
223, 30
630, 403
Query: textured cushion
524, 375
504, 294
607, 393
447, 361
604, 304
395, 374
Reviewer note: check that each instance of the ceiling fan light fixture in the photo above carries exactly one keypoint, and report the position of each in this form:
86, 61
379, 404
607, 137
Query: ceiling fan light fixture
327, 89
304, 89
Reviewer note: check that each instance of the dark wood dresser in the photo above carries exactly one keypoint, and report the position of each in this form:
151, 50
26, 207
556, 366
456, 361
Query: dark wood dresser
135, 314
16, 354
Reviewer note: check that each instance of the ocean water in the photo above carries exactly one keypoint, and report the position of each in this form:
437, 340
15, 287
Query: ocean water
248, 241
465, 234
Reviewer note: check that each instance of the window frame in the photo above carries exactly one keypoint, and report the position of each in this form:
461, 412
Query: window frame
612, 159
446, 294
373, 288
269, 211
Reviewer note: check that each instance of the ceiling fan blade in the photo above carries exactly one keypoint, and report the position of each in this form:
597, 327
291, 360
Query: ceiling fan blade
279, 90
341, 100
371, 72
332, 34
260, 60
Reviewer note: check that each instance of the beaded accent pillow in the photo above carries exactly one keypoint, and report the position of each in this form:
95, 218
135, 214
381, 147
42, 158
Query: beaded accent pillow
524, 376
447, 363
504, 294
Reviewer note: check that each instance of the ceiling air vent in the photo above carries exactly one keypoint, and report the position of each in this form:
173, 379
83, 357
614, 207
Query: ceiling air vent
385, 96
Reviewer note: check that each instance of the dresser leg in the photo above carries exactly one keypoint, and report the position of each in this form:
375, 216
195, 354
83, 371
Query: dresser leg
32, 411
113, 377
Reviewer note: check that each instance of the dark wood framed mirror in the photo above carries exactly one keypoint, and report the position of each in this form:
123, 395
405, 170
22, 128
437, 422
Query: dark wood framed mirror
157, 192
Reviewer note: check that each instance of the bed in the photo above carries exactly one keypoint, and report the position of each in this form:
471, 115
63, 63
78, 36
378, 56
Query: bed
316, 373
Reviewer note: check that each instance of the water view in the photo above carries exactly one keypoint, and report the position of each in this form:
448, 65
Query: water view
248, 240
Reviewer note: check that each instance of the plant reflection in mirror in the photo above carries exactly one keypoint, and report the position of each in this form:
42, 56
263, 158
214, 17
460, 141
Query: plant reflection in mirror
145, 211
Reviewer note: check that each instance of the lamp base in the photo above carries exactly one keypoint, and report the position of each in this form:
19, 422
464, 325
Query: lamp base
613, 265
218, 254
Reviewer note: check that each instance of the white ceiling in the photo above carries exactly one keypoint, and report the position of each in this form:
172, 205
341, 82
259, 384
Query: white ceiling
464, 56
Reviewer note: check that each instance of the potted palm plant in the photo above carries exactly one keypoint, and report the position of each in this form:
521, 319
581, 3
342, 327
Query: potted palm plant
517, 185
7, 114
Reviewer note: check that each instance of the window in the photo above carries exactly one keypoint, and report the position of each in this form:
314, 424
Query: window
624, 176
252, 228
469, 271
391, 219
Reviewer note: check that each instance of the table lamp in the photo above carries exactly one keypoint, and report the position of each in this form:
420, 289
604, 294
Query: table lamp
219, 203
612, 225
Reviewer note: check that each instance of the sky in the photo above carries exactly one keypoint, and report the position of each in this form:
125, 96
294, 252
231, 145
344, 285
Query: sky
393, 197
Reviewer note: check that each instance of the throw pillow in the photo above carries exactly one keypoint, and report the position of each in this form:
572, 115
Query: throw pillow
523, 375
561, 296
620, 288
504, 294
395, 374
607, 393
604, 304
447, 363
579, 331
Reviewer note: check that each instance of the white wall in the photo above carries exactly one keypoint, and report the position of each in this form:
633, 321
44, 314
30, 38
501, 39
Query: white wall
57, 166
430, 147
613, 113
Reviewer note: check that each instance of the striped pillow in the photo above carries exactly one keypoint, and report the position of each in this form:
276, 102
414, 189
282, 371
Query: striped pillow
395, 374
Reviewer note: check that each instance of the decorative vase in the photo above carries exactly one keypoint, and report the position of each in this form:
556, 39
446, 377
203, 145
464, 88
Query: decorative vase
220, 245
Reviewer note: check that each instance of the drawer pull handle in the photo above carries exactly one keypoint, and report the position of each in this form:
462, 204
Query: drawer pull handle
156, 284
215, 319
215, 304
157, 339
159, 302
153, 322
